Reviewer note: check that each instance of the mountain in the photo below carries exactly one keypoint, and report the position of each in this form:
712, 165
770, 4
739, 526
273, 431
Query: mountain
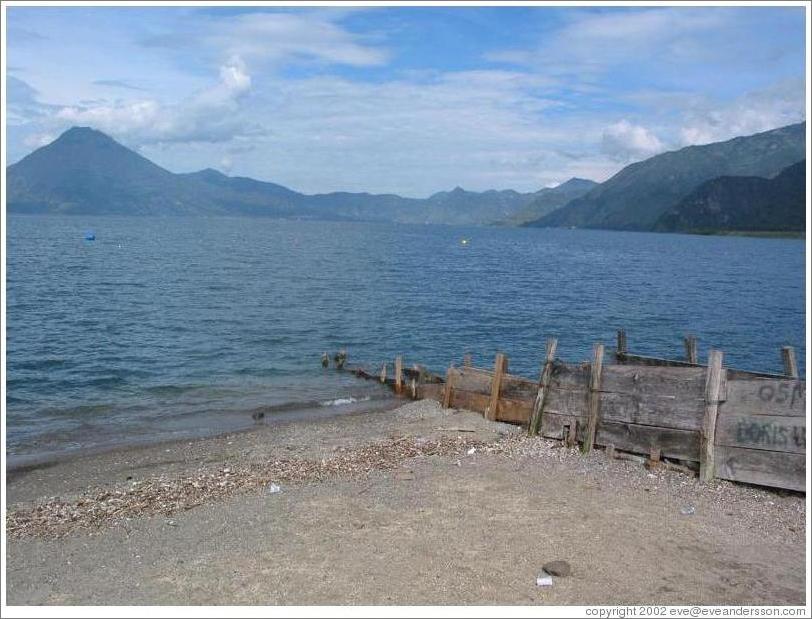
742, 204
86, 172
551, 198
637, 196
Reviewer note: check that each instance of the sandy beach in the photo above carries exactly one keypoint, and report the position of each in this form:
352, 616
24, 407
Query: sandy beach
416, 505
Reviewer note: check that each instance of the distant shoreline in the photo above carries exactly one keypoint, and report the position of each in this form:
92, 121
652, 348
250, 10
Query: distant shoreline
767, 234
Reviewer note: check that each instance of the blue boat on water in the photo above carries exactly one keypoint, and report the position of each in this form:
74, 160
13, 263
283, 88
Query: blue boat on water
90, 235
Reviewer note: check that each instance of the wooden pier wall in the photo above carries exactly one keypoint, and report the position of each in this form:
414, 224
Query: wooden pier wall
734, 424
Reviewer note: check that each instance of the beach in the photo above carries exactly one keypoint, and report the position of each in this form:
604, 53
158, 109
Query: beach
412, 505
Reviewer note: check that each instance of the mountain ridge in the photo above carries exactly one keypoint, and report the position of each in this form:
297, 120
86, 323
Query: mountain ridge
635, 197
85, 171
742, 204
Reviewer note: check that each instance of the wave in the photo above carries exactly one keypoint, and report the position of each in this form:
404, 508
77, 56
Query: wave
343, 401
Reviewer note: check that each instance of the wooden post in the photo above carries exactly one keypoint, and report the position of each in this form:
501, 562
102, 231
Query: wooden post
467, 360
398, 374
621, 343
594, 398
499, 369
447, 390
713, 384
544, 386
691, 355
790, 364
383, 373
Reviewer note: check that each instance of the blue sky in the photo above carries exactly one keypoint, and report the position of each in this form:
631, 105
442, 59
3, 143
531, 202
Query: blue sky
404, 100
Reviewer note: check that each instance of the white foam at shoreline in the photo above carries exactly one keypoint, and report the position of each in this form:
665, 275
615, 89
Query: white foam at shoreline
342, 401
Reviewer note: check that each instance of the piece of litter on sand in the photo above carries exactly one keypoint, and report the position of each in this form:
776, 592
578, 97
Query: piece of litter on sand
544, 580
171, 523
471, 451
274, 489
687, 510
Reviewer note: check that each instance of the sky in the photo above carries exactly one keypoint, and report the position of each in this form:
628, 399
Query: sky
407, 100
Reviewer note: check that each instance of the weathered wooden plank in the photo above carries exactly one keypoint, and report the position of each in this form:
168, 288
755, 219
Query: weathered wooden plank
431, 391
770, 432
683, 382
552, 425
543, 388
469, 400
514, 411
518, 387
593, 411
566, 402
707, 434
732, 373
790, 364
672, 443
758, 466
629, 359
570, 376
471, 379
499, 370
766, 396
653, 410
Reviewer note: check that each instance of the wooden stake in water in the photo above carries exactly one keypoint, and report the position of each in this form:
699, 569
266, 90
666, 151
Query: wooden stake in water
691, 354
790, 364
621, 343
398, 374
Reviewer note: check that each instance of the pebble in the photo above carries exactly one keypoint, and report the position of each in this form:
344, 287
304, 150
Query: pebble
557, 568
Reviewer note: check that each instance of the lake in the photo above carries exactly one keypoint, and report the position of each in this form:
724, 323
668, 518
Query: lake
165, 328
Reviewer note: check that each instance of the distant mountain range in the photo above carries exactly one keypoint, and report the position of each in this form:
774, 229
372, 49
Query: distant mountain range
86, 172
549, 199
636, 197
753, 183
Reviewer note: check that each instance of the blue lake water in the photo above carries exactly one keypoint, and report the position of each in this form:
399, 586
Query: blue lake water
163, 328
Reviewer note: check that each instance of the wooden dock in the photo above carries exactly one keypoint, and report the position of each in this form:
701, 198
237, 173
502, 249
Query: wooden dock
724, 422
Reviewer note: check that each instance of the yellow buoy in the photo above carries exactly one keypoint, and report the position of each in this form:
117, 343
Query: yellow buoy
464, 241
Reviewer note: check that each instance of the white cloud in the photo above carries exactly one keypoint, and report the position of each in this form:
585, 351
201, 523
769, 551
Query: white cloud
36, 140
480, 129
309, 36
273, 38
592, 42
624, 141
777, 106
210, 115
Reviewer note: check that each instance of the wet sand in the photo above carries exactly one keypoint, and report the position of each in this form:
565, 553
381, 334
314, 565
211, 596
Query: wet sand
417, 505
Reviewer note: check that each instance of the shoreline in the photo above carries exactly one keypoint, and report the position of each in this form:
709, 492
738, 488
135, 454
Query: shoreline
417, 504
234, 425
